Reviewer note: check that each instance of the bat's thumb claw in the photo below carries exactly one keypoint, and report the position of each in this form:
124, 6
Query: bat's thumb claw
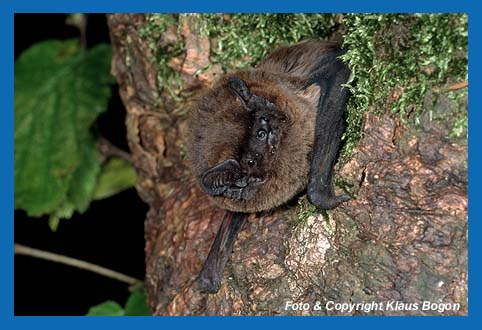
325, 201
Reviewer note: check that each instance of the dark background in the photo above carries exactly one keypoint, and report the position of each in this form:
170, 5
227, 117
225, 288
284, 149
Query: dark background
110, 233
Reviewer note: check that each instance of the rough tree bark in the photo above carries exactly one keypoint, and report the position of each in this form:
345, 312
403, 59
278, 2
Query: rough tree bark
403, 238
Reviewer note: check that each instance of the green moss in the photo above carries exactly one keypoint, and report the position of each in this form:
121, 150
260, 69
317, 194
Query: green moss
460, 122
237, 40
155, 25
304, 210
396, 59
244, 39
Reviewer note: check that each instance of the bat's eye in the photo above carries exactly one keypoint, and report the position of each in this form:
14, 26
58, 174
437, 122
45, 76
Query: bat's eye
264, 120
261, 134
251, 162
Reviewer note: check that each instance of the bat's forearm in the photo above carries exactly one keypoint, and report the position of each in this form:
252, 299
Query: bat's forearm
328, 132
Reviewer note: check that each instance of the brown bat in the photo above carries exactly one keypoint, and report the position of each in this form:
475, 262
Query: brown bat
261, 136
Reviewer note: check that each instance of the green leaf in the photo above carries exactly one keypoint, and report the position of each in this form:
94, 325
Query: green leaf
107, 308
59, 92
137, 304
116, 175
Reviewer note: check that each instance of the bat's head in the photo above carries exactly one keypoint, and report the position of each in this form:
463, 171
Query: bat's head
248, 150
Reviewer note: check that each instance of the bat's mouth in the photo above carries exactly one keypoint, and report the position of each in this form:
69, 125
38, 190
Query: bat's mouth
245, 181
245, 188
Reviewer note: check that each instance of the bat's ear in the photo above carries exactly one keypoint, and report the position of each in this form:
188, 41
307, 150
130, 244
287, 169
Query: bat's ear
239, 88
219, 178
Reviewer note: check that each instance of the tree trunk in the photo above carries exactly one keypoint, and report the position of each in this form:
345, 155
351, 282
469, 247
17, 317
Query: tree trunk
401, 242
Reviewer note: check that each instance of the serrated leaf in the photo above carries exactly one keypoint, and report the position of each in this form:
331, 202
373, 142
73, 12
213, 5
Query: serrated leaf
137, 304
107, 308
116, 175
59, 92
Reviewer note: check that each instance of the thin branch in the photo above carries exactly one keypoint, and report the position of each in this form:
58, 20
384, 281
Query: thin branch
108, 150
459, 85
28, 251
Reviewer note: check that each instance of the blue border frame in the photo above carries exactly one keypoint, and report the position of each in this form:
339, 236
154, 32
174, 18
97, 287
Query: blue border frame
9, 7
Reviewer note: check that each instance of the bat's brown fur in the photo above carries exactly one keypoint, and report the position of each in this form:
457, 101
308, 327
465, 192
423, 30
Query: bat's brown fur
220, 125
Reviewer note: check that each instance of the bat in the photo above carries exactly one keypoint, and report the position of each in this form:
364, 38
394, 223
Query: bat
261, 136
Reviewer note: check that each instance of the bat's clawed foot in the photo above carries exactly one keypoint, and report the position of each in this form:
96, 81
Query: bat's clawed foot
325, 200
